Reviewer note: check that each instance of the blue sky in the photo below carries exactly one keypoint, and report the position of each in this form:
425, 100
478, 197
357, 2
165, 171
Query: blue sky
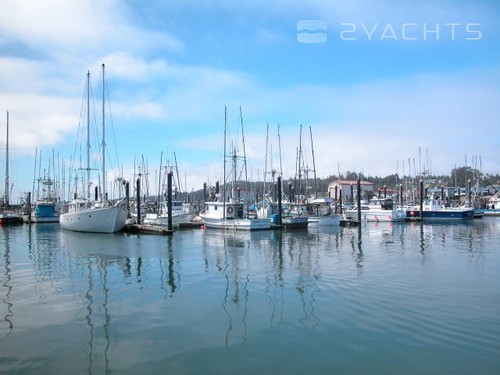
383, 80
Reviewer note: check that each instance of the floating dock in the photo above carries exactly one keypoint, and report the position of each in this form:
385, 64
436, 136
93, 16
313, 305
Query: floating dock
146, 229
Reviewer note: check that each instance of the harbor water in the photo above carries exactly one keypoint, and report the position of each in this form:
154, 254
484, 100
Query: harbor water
408, 298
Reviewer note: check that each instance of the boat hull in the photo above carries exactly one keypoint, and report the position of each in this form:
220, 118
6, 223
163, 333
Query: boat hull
162, 220
377, 216
10, 219
325, 221
237, 224
45, 213
444, 214
95, 220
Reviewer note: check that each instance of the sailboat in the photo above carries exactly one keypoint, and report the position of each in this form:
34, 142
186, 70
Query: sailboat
231, 213
8, 217
100, 216
47, 205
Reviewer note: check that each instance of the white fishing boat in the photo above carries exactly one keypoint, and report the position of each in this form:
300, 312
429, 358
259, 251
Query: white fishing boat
179, 215
100, 215
231, 213
321, 213
377, 210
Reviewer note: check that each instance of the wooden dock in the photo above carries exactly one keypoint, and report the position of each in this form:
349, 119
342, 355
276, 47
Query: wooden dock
146, 229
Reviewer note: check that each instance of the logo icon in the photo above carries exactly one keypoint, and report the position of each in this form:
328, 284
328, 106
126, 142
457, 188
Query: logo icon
312, 31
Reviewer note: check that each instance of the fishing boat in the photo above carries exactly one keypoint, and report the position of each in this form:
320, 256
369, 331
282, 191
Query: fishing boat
179, 215
231, 212
434, 209
321, 213
493, 205
45, 211
47, 206
100, 215
376, 210
8, 216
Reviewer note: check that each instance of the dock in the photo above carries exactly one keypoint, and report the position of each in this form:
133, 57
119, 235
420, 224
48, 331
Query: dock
146, 229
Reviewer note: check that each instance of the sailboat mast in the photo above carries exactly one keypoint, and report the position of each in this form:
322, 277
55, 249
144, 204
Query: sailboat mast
314, 164
224, 168
299, 161
7, 183
88, 135
103, 193
265, 163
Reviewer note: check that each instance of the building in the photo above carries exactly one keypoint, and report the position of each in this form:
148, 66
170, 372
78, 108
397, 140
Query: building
349, 188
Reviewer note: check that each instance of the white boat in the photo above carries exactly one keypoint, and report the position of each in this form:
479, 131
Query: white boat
377, 210
101, 216
179, 215
322, 213
231, 213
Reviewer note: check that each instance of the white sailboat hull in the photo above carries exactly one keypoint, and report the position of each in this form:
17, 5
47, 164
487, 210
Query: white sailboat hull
95, 220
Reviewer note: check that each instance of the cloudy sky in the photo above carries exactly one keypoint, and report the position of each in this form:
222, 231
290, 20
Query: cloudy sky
374, 81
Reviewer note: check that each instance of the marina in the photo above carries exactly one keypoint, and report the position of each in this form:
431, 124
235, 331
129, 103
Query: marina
251, 188
381, 298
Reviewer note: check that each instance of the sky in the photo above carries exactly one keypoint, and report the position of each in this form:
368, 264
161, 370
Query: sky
377, 87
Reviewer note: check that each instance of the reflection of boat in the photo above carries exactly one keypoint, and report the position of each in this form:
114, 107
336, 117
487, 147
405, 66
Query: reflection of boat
8, 217
101, 216
378, 209
433, 209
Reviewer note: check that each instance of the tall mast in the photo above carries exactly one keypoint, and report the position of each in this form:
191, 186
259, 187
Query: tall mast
88, 135
299, 161
314, 164
103, 139
224, 168
7, 183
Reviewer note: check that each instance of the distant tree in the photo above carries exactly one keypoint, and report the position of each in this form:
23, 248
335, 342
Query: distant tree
461, 175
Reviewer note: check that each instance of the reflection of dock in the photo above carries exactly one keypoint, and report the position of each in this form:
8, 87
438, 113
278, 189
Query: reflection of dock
348, 223
146, 229
159, 229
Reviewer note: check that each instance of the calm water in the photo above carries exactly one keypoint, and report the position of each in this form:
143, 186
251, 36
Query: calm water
400, 299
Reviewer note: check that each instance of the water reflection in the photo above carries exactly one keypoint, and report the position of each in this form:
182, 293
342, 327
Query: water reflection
97, 317
128, 301
6, 285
